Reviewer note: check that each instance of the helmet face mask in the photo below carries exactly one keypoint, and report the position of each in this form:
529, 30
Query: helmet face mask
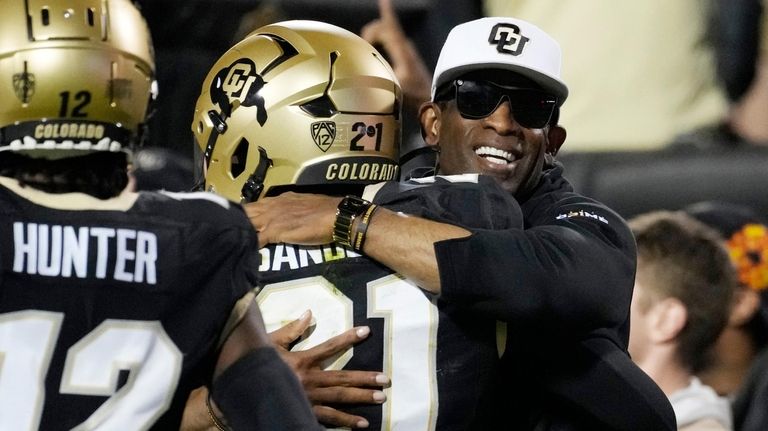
75, 77
297, 103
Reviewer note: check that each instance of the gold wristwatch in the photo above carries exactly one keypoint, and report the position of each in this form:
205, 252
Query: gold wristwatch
349, 208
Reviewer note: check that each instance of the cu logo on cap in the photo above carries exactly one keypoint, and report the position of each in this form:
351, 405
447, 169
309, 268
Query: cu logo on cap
507, 38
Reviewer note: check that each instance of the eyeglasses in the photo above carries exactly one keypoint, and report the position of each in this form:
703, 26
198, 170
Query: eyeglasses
531, 108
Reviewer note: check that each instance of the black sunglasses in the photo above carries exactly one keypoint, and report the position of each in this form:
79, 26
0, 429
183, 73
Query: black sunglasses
531, 108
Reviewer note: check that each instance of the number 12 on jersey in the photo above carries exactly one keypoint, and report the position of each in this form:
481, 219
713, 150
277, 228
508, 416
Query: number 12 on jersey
92, 367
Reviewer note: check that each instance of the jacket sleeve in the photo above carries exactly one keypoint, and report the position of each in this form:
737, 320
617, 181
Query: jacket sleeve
570, 269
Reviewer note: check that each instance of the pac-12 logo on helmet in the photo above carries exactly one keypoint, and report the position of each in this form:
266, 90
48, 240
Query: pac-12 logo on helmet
241, 81
324, 133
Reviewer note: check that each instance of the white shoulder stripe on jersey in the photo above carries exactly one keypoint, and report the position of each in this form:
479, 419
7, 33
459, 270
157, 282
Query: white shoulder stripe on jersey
370, 191
207, 196
459, 178
71, 201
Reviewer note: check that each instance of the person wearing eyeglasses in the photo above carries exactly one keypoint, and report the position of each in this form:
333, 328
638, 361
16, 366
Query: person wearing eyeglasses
562, 283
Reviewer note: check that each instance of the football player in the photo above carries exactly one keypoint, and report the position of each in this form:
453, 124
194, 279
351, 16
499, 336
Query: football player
113, 304
306, 106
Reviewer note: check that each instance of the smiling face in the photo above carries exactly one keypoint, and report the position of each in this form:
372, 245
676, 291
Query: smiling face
496, 145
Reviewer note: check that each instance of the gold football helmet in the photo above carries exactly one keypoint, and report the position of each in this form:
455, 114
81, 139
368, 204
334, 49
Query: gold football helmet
297, 103
76, 76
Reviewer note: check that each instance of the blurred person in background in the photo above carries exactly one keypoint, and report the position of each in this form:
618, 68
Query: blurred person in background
684, 289
739, 367
663, 74
748, 116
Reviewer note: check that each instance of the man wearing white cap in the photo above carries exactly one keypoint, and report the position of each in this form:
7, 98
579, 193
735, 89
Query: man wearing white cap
563, 283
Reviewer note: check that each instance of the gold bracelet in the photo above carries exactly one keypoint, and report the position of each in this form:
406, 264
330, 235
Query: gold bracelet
215, 419
361, 228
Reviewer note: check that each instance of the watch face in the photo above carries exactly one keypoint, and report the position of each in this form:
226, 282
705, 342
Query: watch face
353, 205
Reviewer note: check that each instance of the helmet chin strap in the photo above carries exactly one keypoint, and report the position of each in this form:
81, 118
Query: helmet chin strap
255, 184
219, 127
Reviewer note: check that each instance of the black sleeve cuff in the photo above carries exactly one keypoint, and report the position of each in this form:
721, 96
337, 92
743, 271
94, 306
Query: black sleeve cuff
260, 392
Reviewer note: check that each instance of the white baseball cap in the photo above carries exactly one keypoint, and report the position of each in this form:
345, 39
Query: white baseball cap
501, 43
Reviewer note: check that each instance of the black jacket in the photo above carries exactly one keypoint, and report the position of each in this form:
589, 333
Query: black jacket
563, 284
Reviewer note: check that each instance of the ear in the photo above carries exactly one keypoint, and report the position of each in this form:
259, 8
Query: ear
555, 139
746, 302
429, 117
667, 318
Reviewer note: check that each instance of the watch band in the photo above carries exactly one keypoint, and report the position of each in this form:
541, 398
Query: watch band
349, 208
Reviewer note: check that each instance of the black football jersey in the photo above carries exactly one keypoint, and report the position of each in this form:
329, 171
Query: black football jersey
111, 310
441, 360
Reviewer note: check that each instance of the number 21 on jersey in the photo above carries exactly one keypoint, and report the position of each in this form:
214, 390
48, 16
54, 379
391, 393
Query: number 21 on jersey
410, 334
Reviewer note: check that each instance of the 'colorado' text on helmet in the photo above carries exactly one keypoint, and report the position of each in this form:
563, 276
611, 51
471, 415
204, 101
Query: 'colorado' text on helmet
76, 76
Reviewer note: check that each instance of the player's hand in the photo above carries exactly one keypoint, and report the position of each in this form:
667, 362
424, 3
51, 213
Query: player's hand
196, 416
295, 218
386, 34
325, 387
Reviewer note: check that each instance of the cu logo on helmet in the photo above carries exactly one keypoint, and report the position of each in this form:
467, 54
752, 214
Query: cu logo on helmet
240, 81
507, 39
240, 77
